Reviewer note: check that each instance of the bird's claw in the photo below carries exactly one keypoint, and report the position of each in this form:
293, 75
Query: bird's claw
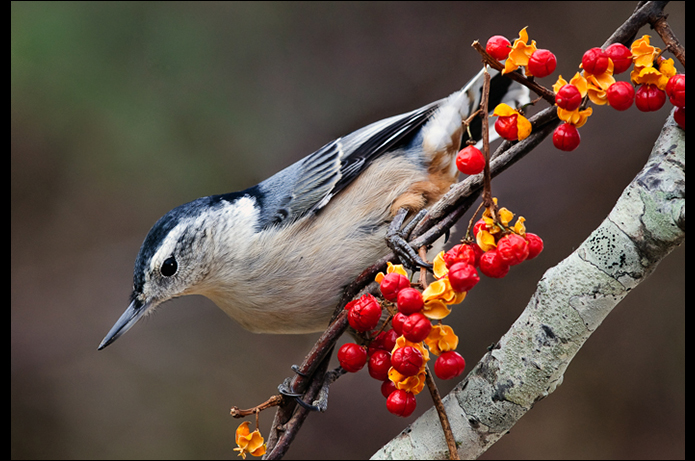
286, 390
396, 239
295, 368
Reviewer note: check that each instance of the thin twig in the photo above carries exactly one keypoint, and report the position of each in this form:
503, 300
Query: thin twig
471, 222
645, 12
467, 123
443, 418
487, 179
273, 401
662, 28
422, 252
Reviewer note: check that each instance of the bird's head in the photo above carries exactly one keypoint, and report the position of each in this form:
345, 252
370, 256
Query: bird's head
181, 251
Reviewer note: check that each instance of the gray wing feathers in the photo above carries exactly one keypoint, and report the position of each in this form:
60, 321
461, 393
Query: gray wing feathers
319, 174
308, 185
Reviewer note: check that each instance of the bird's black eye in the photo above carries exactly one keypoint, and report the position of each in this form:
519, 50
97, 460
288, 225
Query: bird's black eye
169, 267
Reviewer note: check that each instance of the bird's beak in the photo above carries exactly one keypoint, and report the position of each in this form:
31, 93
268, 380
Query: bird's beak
129, 318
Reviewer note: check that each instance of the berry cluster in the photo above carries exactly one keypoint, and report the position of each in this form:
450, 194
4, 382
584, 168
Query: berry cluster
511, 124
537, 62
398, 352
655, 78
499, 245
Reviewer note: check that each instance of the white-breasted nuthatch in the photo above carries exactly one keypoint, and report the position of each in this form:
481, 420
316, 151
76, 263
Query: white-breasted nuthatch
276, 257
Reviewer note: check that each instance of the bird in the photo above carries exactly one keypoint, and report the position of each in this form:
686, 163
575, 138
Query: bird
276, 256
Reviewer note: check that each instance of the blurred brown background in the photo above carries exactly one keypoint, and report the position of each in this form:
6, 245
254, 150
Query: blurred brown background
122, 111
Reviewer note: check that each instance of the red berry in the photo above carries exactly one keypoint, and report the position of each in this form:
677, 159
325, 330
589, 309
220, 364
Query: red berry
620, 95
566, 137
462, 253
407, 360
401, 403
535, 245
498, 47
621, 57
376, 344
397, 322
679, 116
568, 98
470, 160
595, 61
649, 98
675, 89
478, 253
365, 313
449, 365
387, 387
541, 63
513, 249
479, 224
506, 127
463, 277
492, 265
410, 301
390, 339
352, 357
416, 327
392, 283
379, 364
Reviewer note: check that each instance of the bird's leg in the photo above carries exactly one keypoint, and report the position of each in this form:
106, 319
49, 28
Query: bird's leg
321, 401
396, 239
306, 373
286, 389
